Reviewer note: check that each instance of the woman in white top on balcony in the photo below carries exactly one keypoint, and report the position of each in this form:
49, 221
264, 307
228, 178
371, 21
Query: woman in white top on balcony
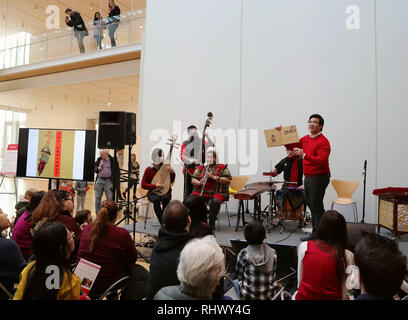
98, 26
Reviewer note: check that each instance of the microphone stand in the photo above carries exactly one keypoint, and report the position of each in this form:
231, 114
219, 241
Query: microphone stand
364, 192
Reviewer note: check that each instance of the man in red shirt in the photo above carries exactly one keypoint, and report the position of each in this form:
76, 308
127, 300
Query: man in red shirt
315, 153
159, 202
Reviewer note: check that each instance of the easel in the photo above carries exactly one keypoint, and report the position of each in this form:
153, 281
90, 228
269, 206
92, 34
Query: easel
15, 185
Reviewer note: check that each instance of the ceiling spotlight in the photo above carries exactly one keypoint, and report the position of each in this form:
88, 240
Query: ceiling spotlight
90, 8
140, 27
139, 11
109, 104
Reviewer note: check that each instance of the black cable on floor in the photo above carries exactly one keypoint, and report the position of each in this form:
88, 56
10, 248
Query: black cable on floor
286, 237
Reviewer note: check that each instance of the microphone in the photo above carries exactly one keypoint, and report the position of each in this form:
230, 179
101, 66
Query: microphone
365, 164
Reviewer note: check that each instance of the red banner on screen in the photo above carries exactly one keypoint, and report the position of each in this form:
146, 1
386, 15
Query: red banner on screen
57, 163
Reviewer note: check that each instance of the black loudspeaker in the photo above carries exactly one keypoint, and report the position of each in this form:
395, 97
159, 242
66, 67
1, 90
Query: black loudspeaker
112, 125
130, 131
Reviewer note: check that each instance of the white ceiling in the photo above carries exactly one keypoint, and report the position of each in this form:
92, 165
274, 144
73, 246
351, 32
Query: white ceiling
123, 91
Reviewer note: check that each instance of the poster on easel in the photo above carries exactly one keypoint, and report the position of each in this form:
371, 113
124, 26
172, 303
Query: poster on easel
9, 165
286, 135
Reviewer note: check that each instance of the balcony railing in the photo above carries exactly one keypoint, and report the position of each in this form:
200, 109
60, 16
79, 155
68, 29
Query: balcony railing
62, 43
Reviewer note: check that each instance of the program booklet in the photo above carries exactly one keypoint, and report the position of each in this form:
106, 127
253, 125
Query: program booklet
87, 272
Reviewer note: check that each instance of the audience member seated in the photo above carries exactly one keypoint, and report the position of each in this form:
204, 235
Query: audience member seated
382, 267
57, 205
11, 260
21, 206
200, 268
22, 229
172, 237
52, 245
256, 266
108, 246
322, 262
83, 217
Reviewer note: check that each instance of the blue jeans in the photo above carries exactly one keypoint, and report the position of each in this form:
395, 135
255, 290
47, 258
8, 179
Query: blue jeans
112, 29
236, 288
102, 185
80, 38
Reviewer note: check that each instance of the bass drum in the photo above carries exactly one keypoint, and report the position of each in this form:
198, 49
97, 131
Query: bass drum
290, 204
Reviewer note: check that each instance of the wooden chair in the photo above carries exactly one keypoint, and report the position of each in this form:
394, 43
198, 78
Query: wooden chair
345, 190
237, 183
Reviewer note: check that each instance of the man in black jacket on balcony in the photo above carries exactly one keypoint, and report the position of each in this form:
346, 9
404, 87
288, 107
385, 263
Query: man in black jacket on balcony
74, 19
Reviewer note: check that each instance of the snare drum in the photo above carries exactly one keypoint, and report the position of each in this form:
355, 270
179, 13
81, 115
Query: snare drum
291, 203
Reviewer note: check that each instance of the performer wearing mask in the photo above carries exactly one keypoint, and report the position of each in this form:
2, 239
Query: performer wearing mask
191, 156
211, 186
159, 202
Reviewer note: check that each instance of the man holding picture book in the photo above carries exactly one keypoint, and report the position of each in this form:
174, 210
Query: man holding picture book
315, 151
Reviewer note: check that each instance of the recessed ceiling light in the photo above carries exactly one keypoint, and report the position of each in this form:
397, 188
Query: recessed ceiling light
139, 11
109, 104
140, 27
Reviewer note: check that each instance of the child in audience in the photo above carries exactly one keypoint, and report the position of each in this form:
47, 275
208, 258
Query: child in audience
83, 217
52, 246
382, 267
256, 266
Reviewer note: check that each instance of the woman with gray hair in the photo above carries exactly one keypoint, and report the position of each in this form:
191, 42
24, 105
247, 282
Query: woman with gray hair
200, 269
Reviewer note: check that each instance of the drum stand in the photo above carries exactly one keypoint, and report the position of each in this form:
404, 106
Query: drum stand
270, 209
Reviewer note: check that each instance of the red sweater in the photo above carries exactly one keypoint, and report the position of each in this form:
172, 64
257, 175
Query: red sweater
148, 176
114, 252
317, 152
319, 277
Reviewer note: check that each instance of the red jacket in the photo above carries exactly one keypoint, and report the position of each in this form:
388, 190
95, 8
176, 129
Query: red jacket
316, 160
148, 176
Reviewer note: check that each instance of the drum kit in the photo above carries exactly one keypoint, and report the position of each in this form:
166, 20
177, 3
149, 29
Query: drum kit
284, 204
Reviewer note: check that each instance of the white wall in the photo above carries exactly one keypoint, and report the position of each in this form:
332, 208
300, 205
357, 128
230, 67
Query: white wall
392, 68
260, 63
190, 66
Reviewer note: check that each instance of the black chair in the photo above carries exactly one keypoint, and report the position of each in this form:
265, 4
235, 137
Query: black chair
114, 291
7, 288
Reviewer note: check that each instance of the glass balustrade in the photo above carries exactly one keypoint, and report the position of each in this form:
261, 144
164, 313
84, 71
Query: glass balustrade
56, 44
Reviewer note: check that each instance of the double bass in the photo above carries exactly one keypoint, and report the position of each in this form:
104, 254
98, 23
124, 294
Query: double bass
206, 125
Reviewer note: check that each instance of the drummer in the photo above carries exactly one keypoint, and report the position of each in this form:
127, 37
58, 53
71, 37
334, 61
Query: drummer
292, 167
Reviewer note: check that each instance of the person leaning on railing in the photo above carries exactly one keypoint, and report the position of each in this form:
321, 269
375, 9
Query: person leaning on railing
74, 19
